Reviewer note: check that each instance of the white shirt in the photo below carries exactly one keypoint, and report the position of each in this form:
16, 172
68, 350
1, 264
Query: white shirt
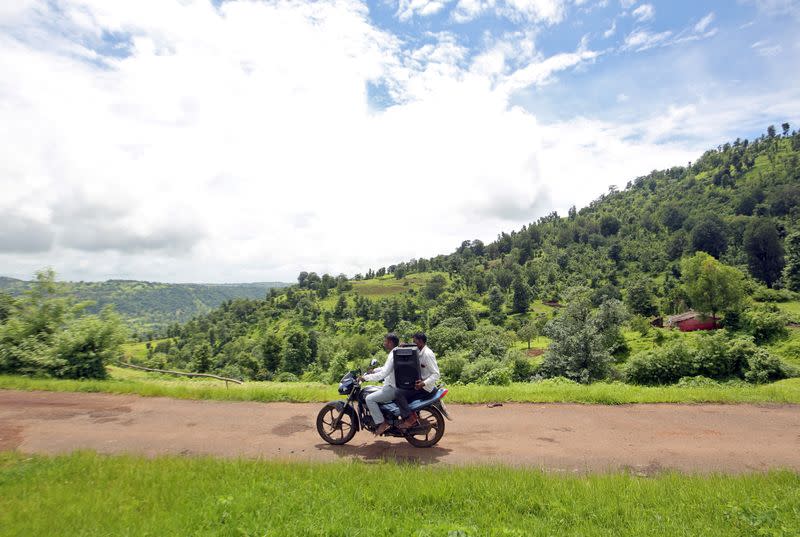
385, 372
429, 368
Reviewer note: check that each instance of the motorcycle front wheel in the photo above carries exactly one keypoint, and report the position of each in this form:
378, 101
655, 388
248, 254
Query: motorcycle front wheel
430, 429
343, 432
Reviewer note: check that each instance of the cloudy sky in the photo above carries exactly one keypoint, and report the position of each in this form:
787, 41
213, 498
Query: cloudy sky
197, 140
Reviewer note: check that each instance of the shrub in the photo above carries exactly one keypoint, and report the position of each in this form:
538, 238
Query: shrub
522, 368
763, 367
500, 376
663, 365
697, 382
451, 367
285, 376
765, 323
719, 357
477, 370
640, 324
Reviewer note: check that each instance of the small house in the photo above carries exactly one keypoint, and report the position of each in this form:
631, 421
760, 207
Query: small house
691, 321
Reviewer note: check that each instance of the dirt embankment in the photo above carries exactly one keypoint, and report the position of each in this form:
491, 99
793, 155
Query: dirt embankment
559, 437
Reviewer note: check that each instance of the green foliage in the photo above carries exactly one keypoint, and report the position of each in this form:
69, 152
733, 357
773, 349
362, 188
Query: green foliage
297, 352
451, 368
639, 298
711, 286
765, 323
791, 272
716, 356
478, 371
764, 250
579, 350
449, 335
709, 235
522, 296
46, 333
496, 301
435, 287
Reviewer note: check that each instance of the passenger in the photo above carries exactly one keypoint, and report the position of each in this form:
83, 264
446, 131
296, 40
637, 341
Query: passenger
387, 392
423, 388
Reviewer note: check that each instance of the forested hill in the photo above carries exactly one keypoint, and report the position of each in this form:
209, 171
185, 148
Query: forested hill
150, 307
738, 202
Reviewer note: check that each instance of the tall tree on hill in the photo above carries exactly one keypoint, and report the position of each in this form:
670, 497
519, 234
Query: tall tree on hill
340, 309
297, 352
496, 300
791, 273
764, 250
709, 236
435, 286
522, 296
710, 285
639, 298
271, 349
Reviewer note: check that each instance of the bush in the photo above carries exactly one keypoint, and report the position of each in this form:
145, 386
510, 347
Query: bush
716, 356
763, 368
765, 323
285, 376
522, 368
765, 294
476, 371
663, 365
697, 382
640, 324
451, 367
500, 376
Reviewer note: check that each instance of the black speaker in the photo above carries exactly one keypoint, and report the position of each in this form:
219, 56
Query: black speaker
406, 367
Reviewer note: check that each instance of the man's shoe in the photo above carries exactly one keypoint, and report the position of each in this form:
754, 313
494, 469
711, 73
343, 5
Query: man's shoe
409, 422
381, 428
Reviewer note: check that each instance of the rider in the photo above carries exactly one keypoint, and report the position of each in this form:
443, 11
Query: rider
423, 388
387, 392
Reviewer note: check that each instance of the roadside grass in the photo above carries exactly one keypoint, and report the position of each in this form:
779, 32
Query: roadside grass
125, 381
792, 309
88, 494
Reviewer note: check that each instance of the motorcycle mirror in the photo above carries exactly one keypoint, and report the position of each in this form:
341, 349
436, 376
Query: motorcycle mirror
373, 362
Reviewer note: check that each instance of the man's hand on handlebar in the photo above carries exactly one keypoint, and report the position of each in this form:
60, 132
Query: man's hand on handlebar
419, 384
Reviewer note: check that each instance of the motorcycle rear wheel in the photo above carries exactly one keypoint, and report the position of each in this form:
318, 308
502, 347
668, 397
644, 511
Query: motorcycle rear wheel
430, 429
346, 429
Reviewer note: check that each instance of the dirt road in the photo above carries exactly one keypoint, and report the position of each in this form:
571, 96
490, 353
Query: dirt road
561, 437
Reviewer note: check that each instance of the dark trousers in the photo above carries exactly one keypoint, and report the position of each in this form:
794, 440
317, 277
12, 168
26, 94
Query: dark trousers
402, 397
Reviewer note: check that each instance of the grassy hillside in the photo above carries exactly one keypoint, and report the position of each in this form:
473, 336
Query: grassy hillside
150, 307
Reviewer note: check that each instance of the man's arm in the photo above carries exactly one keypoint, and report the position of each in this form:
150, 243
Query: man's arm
383, 371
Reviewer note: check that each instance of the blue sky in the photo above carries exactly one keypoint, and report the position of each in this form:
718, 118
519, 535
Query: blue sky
247, 140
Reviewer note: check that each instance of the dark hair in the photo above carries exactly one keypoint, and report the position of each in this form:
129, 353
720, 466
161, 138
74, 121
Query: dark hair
420, 336
391, 336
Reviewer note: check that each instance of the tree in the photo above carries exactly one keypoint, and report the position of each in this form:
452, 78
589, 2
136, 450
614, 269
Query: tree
709, 236
532, 328
771, 131
579, 338
522, 296
791, 273
296, 352
202, 358
710, 285
609, 225
639, 298
785, 127
271, 349
435, 286
340, 310
764, 250
496, 300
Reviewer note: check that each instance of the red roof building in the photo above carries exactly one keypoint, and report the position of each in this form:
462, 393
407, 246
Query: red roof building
691, 321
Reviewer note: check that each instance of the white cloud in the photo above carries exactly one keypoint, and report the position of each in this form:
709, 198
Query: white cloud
766, 48
778, 7
642, 39
644, 13
701, 26
627, 3
621, 98
406, 9
546, 11
239, 143
611, 31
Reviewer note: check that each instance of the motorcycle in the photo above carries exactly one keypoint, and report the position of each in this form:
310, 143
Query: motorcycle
338, 421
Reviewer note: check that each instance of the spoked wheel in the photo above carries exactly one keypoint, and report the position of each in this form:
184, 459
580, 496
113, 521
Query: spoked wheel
430, 429
341, 433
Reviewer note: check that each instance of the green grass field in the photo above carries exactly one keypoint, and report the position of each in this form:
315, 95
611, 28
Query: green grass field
388, 285
125, 381
86, 494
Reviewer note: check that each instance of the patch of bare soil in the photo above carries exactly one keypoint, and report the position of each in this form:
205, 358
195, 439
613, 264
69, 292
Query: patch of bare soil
641, 439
